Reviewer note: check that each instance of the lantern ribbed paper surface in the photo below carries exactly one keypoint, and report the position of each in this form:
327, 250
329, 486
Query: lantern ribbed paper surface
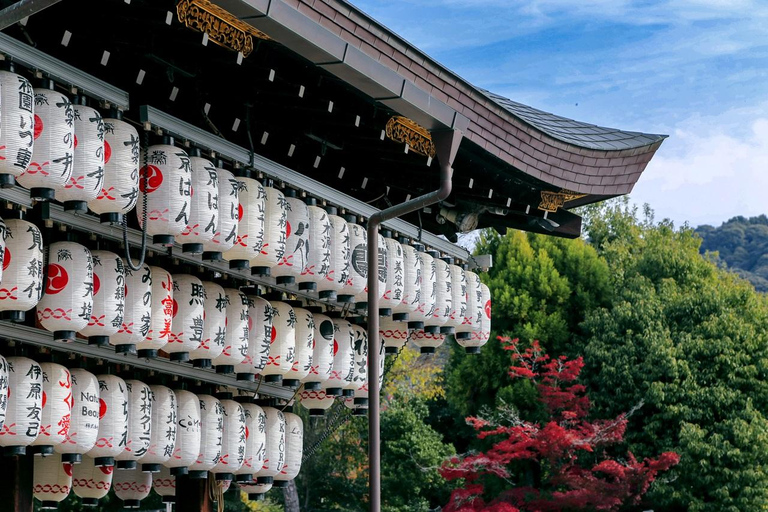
305, 341
340, 262
188, 434
250, 223
166, 179
212, 431
427, 341
3, 236
255, 441
318, 254
139, 424
53, 152
411, 285
164, 484
3, 390
394, 334
236, 337
260, 333
131, 486
343, 357
470, 323
358, 263
120, 187
87, 177
317, 402
442, 288
161, 318
91, 482
322, 353
245, 369
163, 430
271, 248
203, 206
187, 324
458, 298
381, 267
283, 342
274, 458
67, 301
226, 230
137, 313
214, 326
57, 408
84, 422
255, 492
360, 371
25, 405
427, 291
108, 297
51, 481
17, 105
22, 285
296, 256
113, 420
294, 447
394, 288
481, 336
232, 441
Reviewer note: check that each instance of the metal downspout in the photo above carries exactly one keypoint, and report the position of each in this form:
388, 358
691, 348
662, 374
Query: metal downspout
446, 144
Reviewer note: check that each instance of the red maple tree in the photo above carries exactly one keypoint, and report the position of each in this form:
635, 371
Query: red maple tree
534, 467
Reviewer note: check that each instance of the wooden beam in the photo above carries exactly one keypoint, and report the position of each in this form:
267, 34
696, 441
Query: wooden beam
192, 495
16, 490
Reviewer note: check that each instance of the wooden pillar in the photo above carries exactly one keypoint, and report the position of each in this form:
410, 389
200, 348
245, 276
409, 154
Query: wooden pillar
192, 495
16, 490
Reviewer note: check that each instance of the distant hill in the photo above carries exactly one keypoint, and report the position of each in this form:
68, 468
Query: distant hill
742, 244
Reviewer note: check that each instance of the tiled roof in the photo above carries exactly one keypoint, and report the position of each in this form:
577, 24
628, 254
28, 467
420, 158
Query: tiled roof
575, 132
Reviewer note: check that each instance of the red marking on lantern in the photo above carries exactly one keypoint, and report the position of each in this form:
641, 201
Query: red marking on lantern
102, 408
107, 470
75, 141
67, 467
273, 335
96, 284
287, 229
125, 290
38, 126
335, 347
6, 258
488, 309
153, 180
57, 279
45, 398
239, 212
247, 432
175, 308
107, 152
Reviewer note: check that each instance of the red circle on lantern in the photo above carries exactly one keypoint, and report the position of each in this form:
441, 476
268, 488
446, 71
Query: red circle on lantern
287, 229
45, 399
107, 470
96, 284
488, 309
57, 279
239, 212
75, 141
335, 347
67, 467
38, 126
175, 308
6, 258
125, 290
273, 335
154, 178
247, 432
107, 151
102, 408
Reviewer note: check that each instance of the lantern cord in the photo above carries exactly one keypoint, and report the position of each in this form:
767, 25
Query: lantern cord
144, 178
291, 400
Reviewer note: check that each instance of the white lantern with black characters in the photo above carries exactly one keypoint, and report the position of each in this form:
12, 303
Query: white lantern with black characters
91, 482
473, 314
212, 432
250, 223
139, 424
394, 287
340, 261
229, 206
322, 351
188, 433
236, 336
3, 390
23, 414
131, 486
108, 298
57, 408
442, 291
274, 457
411, 285
319, 247
358, 262
84, 421
137, 312
283, 342
297, 231
294, 448
232, 441
113, 420
358, 387
163, 430
204, 204
51, 481
343, 357
381, 267
305, 341
214, 326
53, 152
271, 248
22, 284
161, 317
3, 236
187, 324
260, 333
458, 300
17, 139
481, 336
425, 312
255, 439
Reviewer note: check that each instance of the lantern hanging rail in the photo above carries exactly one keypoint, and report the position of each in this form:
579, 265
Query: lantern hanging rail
221, 146
22, 9
34, 336
62, 72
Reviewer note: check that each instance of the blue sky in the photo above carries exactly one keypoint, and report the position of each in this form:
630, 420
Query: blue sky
696, 70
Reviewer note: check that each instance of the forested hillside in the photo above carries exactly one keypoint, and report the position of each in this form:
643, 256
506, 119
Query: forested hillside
742, 244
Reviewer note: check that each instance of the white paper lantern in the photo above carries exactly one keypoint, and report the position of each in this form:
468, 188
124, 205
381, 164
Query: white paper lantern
360, 372
305, 341
137, 312
340, 262
120, 187
229, 206
250, 223
53, 152
394, 287
236, 336
297, 231
164, 484
108, 298
17, 105
358, 262
427, 294
381, 267
131, 486
427, 341
3, 390
411, 285
319, 245
214, 326
443, 298
139, 424
57, 408
343, 357
472, 315
188, 434
458, 299
322, 353
317, 402
283, 342
67, 302
481, 336
22, 284
161, 319
3, 236
294, 450
84, 421
25, 405
51, 481
394, 334
260, 316
274, 456
163, 430
212, 431
90, 482
113, 420
187, 324
271, 249
255, 492
87, 177
232, 441
255, 440
203, 206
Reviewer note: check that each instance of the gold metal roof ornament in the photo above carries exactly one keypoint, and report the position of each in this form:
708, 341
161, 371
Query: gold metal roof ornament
551, 201
419, 140
222, 27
